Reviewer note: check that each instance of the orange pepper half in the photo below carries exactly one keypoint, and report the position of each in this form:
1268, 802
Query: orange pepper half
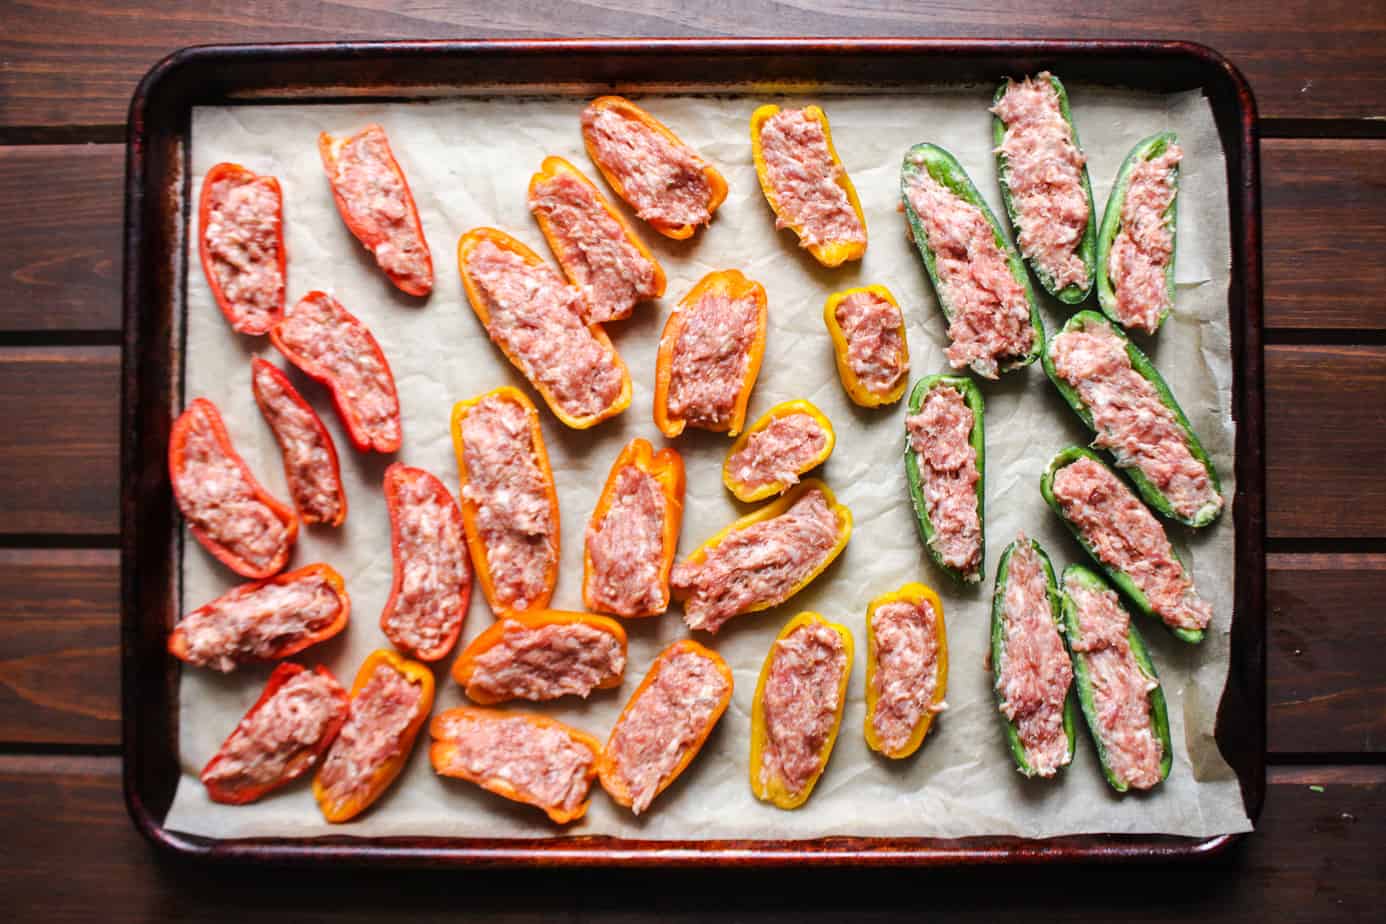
828, 253
729, 284
916, 594
774, 789
749, 494
471, 511
666, 468
855, 388
566, 256
465, 667
609, 773
202, 413
380, 779
477, 298
717, 184
442, 754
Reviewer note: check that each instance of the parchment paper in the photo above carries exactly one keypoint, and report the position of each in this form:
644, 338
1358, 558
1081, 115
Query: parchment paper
469, 162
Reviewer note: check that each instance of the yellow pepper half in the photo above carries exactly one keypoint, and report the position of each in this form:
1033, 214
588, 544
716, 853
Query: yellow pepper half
829, 253
916, 594
749, 494
773, 789
855, 388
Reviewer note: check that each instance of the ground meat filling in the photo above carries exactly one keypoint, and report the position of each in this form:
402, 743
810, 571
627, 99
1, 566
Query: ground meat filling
800, 705
873, 329
1120, 688
711, 358
989, 313
805, 178
322, 332
763, 563
538, 318
1034, 674
1044, 171
593, 247
309, 464
546, 662
1144, 245
372, 735
940, 435
432, 561
378, 200
513, 514
780, 452
670, 718
626, 548
256, 624
216, 495
1125, 536
905, 678
288, 724
542, 762
243, 239
1131, 420
662, 179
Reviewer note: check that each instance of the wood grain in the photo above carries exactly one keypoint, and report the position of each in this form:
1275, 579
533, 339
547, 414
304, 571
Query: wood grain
60, 408
59, 646
60, 229
78, 61
1322, 204
66, 826
1325, 439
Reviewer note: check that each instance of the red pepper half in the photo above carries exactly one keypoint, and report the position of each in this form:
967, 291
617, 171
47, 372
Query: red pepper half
367, 220
240, 792
437, 532
200, 425
246, 316
317, 335
317, 491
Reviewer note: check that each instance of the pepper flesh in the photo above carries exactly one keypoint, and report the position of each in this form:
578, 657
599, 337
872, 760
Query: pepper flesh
471, 511
199, 413
717, 185
775, 789
415, 674
365, 227
915, 478
750, 494
856, 389
830, 253
574, 259
464, 670
478, 300
342, 373
608, 771
732, 285
403, 592
206, 209
318, 500
666, 468
919, 595
445, 755
296, 765
1146, 149
179, 647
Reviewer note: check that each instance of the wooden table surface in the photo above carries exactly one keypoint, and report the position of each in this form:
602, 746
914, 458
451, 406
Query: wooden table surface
67, 69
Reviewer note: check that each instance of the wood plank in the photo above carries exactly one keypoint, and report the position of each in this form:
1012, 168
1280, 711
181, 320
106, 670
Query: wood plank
78, 61
1325, 439
1322, 206
60, 646
60, 408
66, 825
60, 232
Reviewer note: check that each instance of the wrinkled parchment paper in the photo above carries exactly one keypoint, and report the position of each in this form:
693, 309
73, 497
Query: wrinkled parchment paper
469, 162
